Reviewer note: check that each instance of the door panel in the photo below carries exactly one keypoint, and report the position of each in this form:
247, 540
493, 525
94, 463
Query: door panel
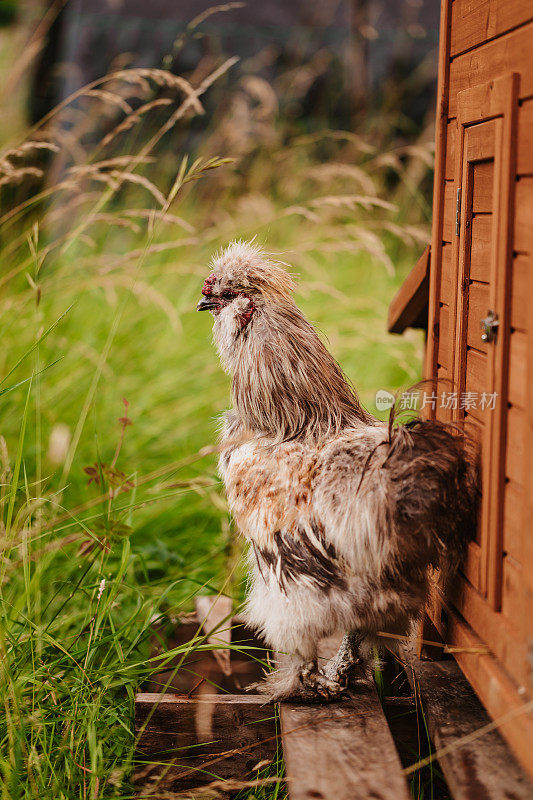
482, 253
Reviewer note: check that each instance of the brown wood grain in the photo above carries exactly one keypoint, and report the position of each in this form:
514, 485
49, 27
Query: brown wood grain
513, 520
448, 222
409, 306
342, 750
521, 311
437, 227
477, 381
523, 220
444, 386
478, 307
524, 156
518, 356
483, 185
474, 23
497, 690
451, 133
516, 452
483, 769
190, 741
444, 338
527, 508
480, 250
512, 589
510, 53
448, 285
502, 637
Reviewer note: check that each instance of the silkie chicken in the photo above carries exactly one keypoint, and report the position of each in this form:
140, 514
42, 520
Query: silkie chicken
343, 513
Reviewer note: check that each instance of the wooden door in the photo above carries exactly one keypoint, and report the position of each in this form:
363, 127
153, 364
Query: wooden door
482, 251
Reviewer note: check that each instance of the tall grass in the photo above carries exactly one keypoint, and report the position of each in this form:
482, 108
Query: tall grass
111, 511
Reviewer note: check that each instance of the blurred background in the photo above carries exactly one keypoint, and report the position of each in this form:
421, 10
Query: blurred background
136, 140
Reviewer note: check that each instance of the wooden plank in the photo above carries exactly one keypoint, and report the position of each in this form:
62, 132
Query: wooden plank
524, 155
191, 740
512, 589
451, 135
517, 372
477, 371
527, 516
408, 308
444, 355
478, 307
448, 285
215, 615
508, 89
483, 185
444, 385
513, 520
510, 53
341, 750
520, 310
496, 690
480, 249
502, 636
523, 225
482, 769
448, 225
437, 233
516, 452
474, 23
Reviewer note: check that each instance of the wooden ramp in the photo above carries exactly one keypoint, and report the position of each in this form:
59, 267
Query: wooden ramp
341, 750
192, 736
475, 759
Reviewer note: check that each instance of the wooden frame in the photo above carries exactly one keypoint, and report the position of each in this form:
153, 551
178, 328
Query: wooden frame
486, 129
408, 309
441, 123
343, 750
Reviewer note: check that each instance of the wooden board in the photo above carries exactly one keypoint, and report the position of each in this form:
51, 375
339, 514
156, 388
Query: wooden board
482, 769
408, 308
341, 751
474, 24
480, 250
521, 312
524, 155
497, 690
512, 515
509, 53
523, 227
448, 225
451, 132
444, 356
439, 186
191, 741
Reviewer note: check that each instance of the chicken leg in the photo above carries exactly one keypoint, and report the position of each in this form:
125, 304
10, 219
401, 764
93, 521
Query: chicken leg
341, 667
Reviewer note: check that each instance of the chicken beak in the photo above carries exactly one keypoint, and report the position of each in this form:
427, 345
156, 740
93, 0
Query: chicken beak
206, 303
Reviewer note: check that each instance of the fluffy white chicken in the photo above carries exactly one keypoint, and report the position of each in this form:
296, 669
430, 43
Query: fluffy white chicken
343, 513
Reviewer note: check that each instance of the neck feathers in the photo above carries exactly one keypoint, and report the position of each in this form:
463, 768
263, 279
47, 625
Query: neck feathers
286, 385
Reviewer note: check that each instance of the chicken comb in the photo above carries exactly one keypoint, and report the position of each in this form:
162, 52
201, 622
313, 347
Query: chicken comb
209, 282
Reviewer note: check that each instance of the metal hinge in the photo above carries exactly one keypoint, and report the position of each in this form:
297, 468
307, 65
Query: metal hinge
458, 213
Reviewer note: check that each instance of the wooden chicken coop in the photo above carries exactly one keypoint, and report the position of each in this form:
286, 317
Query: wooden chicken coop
473, 289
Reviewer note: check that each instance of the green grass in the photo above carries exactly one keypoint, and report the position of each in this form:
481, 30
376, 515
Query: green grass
100, 534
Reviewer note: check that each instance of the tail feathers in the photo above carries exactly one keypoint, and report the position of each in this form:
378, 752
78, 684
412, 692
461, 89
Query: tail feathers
436, 486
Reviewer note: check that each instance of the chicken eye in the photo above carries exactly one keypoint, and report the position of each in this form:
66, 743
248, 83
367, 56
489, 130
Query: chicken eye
228, 295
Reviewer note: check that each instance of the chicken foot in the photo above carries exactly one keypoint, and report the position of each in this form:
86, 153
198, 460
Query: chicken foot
341, 667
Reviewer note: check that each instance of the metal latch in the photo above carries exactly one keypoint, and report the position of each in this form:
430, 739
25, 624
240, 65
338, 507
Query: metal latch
458, 213
489, 327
